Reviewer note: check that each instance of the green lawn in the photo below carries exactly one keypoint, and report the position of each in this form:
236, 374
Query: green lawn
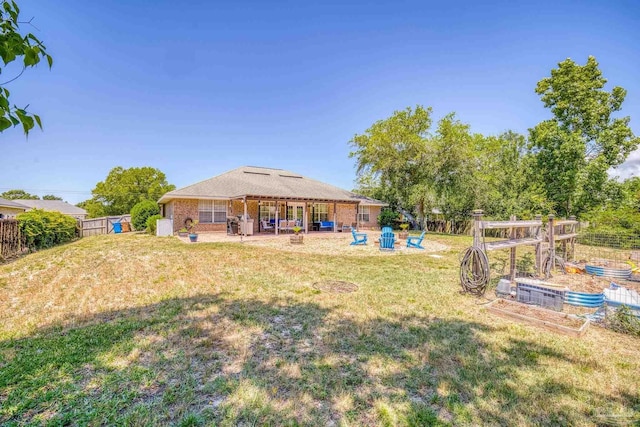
138, 330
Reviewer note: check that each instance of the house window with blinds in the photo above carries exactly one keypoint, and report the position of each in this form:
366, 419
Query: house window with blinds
212, 211
364, 213
321, 212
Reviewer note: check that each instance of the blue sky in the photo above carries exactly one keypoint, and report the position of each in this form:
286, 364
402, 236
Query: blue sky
211, 86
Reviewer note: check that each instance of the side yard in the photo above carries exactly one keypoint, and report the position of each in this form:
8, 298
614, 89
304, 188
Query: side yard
138, 330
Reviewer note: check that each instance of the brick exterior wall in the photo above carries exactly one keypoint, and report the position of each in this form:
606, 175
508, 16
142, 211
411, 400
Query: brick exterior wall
346, 213
188, 208
373, 219
237, 208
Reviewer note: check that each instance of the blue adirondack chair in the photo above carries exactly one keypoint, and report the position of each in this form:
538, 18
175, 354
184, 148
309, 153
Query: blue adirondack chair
387, 240
387, 229
358, 238
415, 242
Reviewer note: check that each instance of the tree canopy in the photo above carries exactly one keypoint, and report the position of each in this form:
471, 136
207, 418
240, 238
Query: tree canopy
18, 194
124, 188
51, 197
561, 168
14, 46
575, 148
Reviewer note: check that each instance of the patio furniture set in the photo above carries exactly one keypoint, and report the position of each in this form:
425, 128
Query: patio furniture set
387, 239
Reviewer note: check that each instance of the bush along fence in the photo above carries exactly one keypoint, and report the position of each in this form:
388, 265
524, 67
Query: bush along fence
42, 229
11, 241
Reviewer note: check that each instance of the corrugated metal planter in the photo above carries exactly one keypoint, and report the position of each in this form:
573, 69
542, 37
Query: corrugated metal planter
617, 273
584, 299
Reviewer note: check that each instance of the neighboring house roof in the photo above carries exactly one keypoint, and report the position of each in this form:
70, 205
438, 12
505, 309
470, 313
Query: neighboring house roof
11, 204
53, 205
258, 182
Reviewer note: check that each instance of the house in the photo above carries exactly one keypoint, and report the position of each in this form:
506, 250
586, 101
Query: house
54, 206
10, 208
268, 195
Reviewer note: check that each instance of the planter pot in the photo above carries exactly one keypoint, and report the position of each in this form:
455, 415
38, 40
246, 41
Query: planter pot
403, 235
193, 237
183, 233
297, 239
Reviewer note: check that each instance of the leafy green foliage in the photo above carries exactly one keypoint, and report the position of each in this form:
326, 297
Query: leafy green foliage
151, 223
124, 188
15, 46
141, 212
583, 140
51, 197
623, 320
43, 229
18, 194
387, 218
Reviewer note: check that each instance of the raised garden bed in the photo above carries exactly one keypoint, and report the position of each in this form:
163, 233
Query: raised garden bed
580, 282
551, 320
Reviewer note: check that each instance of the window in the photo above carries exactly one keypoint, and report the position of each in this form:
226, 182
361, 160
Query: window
320, 212
212, 211
364, 213
268, 211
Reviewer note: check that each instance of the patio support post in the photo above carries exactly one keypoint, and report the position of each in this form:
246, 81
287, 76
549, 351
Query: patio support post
305, 221
277, 224
358, 217
335, 217
244, 219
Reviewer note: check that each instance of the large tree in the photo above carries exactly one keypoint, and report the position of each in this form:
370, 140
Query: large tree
390, 155
14, 46
18, 194
575, 148
124, 188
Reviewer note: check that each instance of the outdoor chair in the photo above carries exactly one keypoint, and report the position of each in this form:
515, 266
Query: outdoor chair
267, 226
387, 229
387, 240
358, 238
416, 242
283, 225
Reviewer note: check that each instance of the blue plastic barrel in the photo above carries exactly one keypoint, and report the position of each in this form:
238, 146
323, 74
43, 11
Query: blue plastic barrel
117, 227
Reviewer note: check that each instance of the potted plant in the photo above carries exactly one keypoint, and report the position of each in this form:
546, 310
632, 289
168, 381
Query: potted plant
193, 236
297, 238
183, 232
404, 233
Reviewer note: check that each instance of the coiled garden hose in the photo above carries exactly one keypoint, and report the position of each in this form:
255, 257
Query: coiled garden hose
474, 271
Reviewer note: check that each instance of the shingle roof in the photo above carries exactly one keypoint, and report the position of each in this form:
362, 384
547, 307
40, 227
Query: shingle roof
11, 204
261, 182
53, 205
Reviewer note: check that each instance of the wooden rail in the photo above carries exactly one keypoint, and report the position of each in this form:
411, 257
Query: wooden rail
513, 242
103, 225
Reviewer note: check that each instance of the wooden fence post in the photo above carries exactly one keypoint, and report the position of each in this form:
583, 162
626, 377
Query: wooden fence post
512, 254
552, 243
477, 217
572, 241
539, 246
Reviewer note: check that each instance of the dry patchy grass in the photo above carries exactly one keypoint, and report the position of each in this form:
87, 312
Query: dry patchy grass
137, 330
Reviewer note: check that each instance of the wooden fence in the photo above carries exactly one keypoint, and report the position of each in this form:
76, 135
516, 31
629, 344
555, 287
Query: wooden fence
103, 225
11, 241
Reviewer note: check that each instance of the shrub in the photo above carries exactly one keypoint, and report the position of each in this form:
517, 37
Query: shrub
141, 212
151, 223
387, 218
42, 229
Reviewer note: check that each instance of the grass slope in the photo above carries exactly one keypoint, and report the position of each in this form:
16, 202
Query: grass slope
137, 330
